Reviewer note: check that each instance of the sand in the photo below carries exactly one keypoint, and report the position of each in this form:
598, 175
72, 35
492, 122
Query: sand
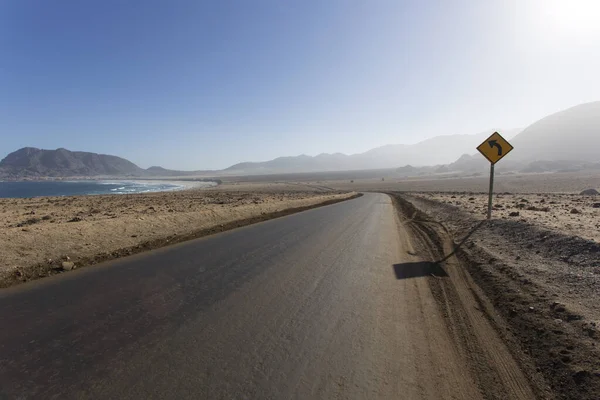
53, 230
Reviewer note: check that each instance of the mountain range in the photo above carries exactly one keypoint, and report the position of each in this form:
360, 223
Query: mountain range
434, 151
566, 140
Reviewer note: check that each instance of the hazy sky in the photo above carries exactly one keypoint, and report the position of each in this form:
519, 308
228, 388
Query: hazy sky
205, 84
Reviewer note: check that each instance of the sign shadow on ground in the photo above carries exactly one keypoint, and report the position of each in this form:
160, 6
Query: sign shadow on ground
418, 269
431, 268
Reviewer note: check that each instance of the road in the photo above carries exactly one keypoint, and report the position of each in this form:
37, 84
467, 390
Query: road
329, 303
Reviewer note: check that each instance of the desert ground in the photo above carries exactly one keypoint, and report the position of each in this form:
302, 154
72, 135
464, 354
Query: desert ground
536, 264
567, 182
47, 235
568, 214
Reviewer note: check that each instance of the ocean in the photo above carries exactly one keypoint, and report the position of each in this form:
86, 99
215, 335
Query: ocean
78, 188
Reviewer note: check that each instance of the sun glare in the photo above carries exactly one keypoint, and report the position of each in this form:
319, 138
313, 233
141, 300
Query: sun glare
572, 18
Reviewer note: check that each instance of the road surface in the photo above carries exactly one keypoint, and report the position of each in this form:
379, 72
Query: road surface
329, 303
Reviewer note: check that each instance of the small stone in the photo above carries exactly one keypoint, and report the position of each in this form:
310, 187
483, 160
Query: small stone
68, 265
513, 214
596, 205
531, 309
575, 211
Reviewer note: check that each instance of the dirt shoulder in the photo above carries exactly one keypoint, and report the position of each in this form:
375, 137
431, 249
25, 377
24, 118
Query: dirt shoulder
469, 317
49, 235
543, 284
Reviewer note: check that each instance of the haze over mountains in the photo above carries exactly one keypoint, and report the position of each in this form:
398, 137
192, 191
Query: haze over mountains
434, 151
33, 162
566, 140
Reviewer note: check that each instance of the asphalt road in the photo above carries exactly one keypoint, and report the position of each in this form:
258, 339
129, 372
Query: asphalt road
305, 306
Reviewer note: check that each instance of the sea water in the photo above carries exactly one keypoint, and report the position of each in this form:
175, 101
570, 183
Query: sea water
78, 188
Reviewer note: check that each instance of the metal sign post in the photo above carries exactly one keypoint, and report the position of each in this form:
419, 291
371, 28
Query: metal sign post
489, 212
493, 148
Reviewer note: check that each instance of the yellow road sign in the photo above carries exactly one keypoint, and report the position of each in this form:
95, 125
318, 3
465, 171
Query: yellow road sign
494, 148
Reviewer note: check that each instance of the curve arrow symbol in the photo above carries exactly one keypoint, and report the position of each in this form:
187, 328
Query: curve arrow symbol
494, 143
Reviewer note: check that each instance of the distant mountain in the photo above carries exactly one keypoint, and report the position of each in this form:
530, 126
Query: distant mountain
434, 151
572, 134
565, 141
568, 140
32, 162
469, 163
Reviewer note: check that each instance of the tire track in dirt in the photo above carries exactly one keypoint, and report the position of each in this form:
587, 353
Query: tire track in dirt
475, 338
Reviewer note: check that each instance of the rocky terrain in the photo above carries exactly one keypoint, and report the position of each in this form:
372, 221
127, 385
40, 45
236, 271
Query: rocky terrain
568, 214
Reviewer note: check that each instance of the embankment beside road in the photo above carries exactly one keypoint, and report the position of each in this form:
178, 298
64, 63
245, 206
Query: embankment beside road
45, 236
542, 287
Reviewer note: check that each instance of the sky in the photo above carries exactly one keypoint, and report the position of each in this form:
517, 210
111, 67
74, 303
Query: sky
205, 84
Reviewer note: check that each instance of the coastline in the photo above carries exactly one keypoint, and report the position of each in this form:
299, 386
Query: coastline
185, 185
95, 187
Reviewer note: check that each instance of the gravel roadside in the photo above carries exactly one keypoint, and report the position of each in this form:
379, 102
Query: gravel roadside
543, 283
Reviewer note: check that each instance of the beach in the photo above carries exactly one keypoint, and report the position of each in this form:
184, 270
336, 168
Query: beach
84, 187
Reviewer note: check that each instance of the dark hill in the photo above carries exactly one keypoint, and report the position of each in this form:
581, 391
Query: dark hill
33, 162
